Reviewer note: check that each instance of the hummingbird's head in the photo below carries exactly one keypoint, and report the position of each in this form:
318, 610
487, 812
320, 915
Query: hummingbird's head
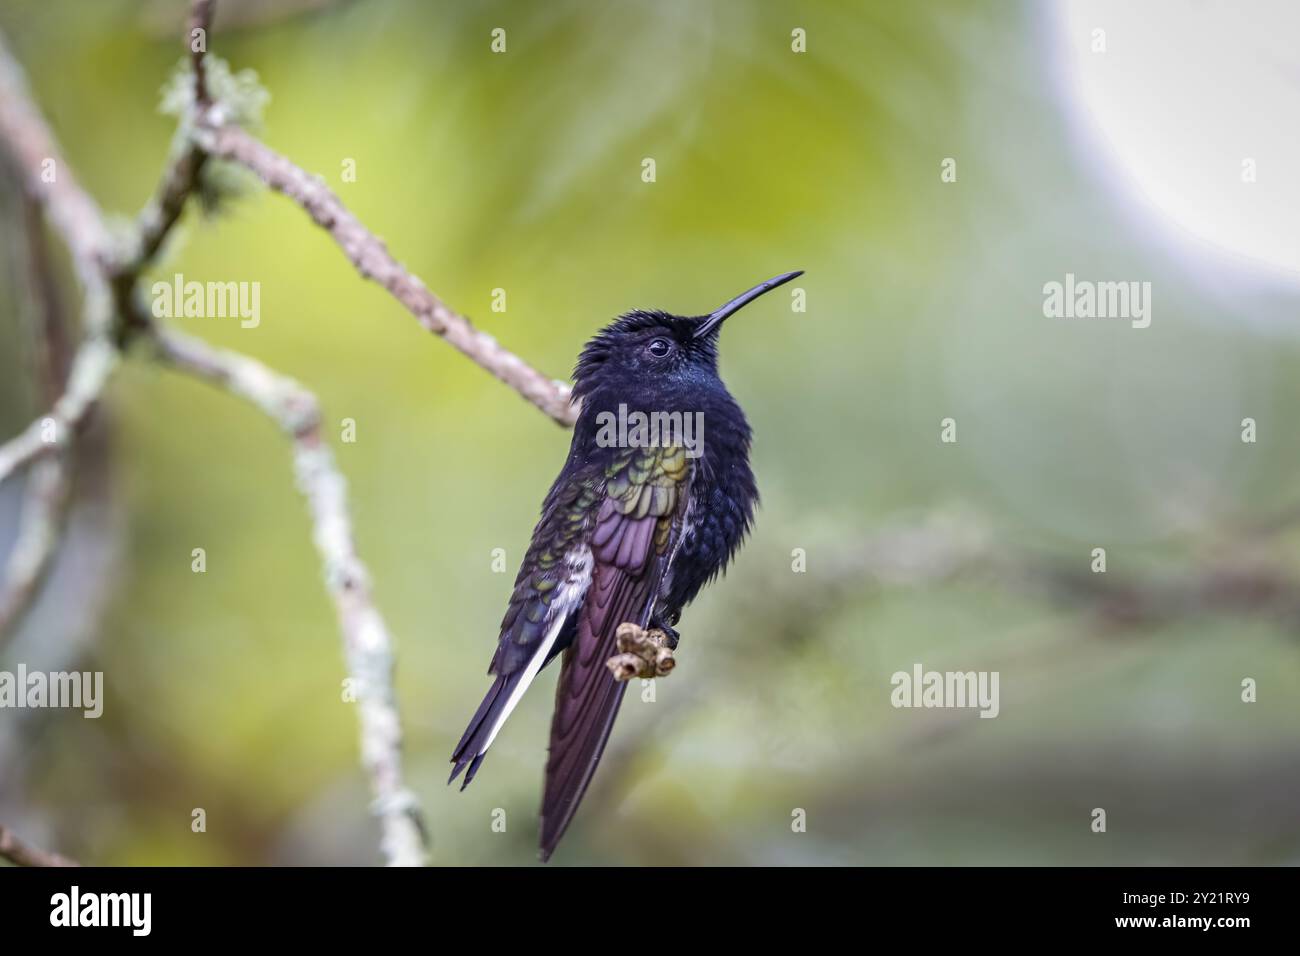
658, 354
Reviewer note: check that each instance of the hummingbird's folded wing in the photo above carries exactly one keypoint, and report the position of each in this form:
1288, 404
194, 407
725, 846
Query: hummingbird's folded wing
540, 619
637, 529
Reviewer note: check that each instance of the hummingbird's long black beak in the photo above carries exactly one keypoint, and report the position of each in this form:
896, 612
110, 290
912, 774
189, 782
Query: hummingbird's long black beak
718, 316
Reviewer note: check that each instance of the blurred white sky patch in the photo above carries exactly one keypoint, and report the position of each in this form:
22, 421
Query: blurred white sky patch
1184, 97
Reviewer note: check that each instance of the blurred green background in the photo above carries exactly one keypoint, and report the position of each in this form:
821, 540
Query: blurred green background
523, 171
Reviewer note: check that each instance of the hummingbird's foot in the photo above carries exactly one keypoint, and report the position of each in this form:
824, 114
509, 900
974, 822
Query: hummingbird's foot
671, 637
658, 623
642, 653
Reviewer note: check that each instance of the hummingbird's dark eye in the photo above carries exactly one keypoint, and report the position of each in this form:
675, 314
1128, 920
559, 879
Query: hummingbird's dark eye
659, 347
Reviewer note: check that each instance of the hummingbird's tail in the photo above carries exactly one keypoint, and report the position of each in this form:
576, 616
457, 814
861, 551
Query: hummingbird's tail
502, 697
474, 742
587, 697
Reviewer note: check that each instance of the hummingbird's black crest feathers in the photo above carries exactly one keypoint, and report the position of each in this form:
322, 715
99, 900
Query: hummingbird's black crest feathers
621, 349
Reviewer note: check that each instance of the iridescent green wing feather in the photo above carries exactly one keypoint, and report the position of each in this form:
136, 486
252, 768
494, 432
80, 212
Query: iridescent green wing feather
567, 517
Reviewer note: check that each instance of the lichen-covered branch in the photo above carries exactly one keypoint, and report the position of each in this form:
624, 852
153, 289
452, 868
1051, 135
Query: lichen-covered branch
367, 643
372, 260
24, 854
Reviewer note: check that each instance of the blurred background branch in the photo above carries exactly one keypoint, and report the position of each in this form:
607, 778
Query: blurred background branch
46, 495
24, 854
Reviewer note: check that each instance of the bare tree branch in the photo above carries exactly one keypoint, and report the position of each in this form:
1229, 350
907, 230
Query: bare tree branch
23, 854
372, 260
367, 643
50, 332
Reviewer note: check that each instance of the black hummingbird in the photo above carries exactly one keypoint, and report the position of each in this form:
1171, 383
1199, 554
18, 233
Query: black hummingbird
636, 523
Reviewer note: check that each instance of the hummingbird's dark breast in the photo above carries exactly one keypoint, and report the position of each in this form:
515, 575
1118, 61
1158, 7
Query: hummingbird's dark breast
723, 495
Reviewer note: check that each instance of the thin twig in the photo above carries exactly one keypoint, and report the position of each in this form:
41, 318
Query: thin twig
45, 501
367, 643
200, 23
24, 854
155, 222
181, 179
94, 363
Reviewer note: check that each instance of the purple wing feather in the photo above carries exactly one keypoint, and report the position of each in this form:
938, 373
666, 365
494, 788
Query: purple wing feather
636, 529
